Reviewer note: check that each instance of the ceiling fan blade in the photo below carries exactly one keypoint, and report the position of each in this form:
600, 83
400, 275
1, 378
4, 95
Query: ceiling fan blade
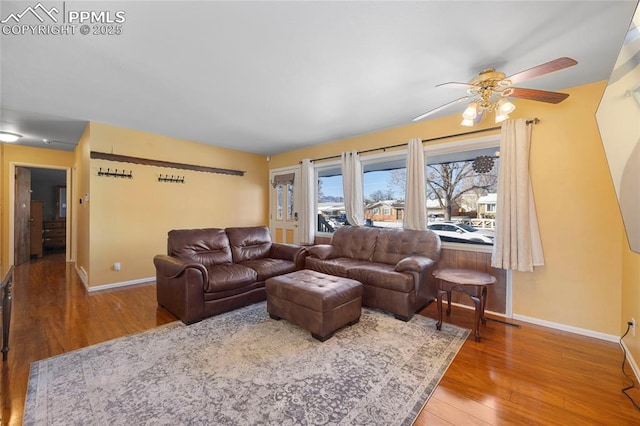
456, 85
546, 68
539, 95
440, 108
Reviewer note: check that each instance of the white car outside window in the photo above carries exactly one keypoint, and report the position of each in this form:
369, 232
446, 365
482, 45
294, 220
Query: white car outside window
461, 233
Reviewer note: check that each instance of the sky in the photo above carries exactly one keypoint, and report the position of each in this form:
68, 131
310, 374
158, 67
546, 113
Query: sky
373, 181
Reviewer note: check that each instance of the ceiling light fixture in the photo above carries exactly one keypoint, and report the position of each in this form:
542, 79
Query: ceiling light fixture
489, 93
9, 137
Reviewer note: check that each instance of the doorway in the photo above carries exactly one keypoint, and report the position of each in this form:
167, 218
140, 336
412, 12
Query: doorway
40, 216
284, 205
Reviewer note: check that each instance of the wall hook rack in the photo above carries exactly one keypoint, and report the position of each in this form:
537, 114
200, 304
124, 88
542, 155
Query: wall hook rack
172, 179
116, 173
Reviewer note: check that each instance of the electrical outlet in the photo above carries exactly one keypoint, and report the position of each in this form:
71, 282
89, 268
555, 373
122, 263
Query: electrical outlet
633, 326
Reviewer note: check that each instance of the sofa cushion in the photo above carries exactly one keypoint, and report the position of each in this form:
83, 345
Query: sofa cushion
382, 275
229, 276
355, 242
248, 243
268, 267
206, 246
338, 266
395, 244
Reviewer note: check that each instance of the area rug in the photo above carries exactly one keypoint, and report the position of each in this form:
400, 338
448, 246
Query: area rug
243, 368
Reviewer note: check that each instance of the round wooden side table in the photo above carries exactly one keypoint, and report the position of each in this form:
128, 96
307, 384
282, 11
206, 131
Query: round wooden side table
466, 281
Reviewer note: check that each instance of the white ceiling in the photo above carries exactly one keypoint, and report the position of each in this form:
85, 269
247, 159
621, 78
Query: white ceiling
268, 77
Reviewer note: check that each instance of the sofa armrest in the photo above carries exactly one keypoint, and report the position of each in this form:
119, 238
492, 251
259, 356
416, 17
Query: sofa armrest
414, 264
321, 251
171, 267
288, 252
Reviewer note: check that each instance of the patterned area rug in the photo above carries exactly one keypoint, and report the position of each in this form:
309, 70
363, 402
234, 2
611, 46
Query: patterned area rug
243, 368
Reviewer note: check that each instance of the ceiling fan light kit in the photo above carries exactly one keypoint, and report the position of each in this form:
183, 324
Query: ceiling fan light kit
489, 91
471, 111
9, 137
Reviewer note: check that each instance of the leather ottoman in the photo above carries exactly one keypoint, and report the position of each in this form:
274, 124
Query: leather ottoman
317, 302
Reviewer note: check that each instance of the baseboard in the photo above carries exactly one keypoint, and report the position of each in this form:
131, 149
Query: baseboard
631, 361
571, 329
472, 308
83, 275
120, 284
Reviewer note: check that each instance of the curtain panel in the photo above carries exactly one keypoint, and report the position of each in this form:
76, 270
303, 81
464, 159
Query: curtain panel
415, 208
352, 187
307, 192
517, 244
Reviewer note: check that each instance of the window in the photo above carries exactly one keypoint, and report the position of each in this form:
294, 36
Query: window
280, 202
283, 185
330, 200
382, 189
290, 202
457, 193
454, 190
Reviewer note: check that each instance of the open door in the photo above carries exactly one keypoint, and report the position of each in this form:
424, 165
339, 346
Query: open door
284, 206
22, 241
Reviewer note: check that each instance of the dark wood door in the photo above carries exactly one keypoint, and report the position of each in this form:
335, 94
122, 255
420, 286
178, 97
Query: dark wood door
22, 241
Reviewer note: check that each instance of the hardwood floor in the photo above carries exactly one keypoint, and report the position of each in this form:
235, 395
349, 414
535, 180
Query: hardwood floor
529, 375
52, 314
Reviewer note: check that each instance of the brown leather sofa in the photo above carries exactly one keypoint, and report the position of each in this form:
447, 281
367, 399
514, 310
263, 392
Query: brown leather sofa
210, 271
394, 265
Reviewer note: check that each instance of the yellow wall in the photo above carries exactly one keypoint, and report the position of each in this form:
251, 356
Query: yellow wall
580, 224
30, 156
130, 218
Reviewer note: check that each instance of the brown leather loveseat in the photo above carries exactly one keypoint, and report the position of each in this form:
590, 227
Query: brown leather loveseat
210, 271
395, 266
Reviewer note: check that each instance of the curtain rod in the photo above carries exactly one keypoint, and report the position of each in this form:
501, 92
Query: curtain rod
384, 148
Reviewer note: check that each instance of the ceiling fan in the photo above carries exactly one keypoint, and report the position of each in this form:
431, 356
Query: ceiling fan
489, 91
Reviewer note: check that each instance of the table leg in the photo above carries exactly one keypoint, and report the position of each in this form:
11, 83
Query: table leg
439, 304
449, 302
476, 324
484, 304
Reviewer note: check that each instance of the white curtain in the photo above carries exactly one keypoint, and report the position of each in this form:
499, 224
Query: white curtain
352, 186
415, 209
307, 205
517, 243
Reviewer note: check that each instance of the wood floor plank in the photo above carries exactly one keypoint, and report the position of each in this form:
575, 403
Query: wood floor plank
530, 375
450, 414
